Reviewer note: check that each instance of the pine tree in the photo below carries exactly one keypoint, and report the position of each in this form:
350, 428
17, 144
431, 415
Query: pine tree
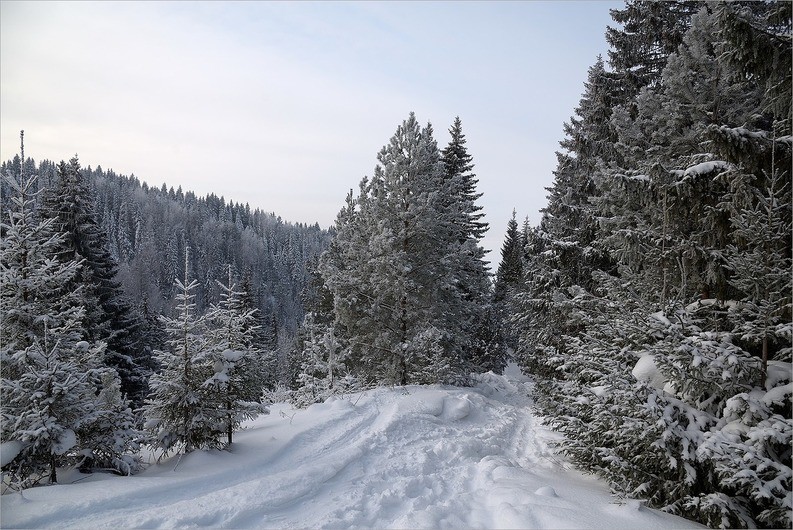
51, 401
761, 269
570, 219
650, 32
112, 434
508, 280
693, 207
563, 253
323, 372
469, 270
510, 269
32, 279
458, 164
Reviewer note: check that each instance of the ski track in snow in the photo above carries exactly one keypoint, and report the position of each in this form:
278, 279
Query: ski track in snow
419, 457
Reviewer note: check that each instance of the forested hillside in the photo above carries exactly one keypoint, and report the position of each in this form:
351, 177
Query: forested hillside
101, 277
653, 301
147, 229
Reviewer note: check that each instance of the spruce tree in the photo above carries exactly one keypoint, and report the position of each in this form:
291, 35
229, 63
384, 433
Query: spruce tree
470, 270
510, 269
49, 371
650, 32
237, 363
323, 372
405, 261
657, 374
175, 412
110, 317
458, 165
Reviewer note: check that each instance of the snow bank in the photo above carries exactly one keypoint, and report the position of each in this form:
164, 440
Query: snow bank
415, 457
712, 302
647, 370
778, 372
9, 451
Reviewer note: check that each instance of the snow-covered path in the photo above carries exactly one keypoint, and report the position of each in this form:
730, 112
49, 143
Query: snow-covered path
420, 457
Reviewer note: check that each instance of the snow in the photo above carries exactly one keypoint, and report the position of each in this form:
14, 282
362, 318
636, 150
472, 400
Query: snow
778, 395
661, 317
65, 441
412, 457
233, 356
647, 370
706, 167
777, 372
9, 451
709, 302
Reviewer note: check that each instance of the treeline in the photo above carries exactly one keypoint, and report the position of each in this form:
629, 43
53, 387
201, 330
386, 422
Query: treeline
95, 273
653, 302
167, 320
147, 229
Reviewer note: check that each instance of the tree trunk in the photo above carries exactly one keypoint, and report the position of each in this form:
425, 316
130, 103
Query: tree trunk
53, 470
229, 429
764, 374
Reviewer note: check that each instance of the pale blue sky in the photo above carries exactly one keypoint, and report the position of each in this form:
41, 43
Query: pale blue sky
284, 105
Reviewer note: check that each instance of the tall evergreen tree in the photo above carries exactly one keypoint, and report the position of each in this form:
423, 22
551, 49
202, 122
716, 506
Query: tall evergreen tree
657, 375
404, 261
484, 346
510, 269
49, 371
650, 32
458, 165
110, 316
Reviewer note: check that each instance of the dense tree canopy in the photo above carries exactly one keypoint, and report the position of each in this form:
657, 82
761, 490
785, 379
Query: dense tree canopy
655, 303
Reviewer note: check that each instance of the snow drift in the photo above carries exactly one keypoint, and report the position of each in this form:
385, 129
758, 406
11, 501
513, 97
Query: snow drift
414, 457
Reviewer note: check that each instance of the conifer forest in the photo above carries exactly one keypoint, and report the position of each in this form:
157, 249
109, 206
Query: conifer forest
651, 306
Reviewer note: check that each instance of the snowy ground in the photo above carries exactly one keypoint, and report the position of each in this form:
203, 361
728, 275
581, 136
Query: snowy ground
420, 457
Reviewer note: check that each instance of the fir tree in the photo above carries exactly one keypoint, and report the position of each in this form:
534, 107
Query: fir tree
458, 165
112, 432
650, 32
470, 270
175, 411
237, 363
49, 372
109, 315
510, 269
51, 401
691, 196
323, 372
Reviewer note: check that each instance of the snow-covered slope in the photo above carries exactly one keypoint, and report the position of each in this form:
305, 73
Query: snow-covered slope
415, 457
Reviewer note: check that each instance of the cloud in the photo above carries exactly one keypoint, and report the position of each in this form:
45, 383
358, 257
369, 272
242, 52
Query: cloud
285, 105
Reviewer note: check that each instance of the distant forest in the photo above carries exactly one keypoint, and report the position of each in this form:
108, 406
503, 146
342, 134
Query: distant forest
147, 230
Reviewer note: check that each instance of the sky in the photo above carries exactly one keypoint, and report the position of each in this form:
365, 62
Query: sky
285, 105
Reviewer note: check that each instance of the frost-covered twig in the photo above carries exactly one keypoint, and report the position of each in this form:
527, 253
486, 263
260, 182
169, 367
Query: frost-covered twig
285, 415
